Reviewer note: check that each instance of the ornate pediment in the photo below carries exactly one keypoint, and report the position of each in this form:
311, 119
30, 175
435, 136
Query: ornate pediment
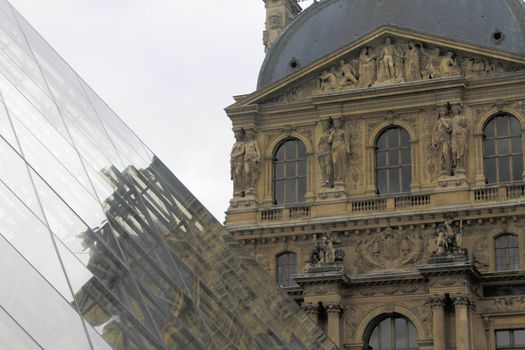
388, 57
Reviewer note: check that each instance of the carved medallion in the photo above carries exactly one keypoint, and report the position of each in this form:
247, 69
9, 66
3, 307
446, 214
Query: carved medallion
390, 249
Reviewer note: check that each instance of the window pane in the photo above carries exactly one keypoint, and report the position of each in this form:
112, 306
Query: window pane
412, 334
301, 168
503, 167
386, 334
519, 337
406, 177
301, 189
291, 169
393, 138
489, 148
502, 146
301, 150
381, 159
290, 191
502, 338
393, 157
279, 155
502, 126
405, 139
501, 241
405, 157
291, 147
381, 142
279, 170
401, 333
516, 145
279, 192
381, 181
489, 129
517, 168
393, 180
515, 127
490, 170
374, 339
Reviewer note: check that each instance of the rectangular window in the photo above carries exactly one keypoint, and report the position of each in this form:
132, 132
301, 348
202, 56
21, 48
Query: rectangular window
511, 339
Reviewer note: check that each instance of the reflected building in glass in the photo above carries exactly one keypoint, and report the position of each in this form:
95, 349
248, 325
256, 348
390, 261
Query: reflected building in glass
101, 247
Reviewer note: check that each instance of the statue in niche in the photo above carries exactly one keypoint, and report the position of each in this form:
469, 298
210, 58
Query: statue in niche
459, 139
387, 57
441, 141
328, 80
252, 157
340, 151
347, 74
448, 66
237, 163
367, 68
448, 239
412, 62
324, 153
432, 67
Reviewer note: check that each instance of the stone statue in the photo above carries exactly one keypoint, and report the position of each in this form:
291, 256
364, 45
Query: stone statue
432, 67
340, 151
237, 164
347, 74
459, 139
324, 153
387, 55
328, 80
448, 66
441, 141
448, 239
252, 157
412, 63
324, 252
367, 68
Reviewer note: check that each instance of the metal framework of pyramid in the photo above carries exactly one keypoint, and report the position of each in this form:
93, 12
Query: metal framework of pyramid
101, 247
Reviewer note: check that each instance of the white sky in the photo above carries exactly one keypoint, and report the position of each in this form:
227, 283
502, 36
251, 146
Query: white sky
168, 68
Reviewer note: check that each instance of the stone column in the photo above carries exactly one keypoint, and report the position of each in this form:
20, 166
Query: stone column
312, 311
334, 322
461, 305
438, 321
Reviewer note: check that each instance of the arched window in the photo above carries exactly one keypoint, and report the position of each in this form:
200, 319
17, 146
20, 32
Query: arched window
502, 150
394, 333
507, 252
393, 161
289, 172
286, 269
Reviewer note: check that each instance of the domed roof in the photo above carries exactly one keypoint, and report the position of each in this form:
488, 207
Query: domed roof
331, 24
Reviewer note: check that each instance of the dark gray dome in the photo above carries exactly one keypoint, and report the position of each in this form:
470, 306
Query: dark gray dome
332, 24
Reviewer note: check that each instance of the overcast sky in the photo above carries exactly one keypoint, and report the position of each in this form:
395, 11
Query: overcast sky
168, 68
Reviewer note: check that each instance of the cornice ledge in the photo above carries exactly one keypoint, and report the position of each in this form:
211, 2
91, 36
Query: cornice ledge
447, 269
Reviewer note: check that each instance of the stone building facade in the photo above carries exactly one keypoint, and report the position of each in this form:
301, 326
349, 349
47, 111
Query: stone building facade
378, 171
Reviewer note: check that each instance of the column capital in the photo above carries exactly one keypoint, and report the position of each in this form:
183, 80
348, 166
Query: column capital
436, 301
463, 299
311, 309
334, 308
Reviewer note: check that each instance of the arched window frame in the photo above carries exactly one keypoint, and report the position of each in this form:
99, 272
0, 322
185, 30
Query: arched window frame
490, 144
392, 324
383, 161
507, 252
282, 177
286, 268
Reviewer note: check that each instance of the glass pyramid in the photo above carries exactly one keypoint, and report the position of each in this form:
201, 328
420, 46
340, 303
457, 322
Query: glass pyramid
101, 247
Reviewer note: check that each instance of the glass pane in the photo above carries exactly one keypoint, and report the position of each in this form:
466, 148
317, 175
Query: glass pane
291, 168
381, 159
513, 240
301, 168
291, 150
393, 138
502, 338
13, 336
393, 180
374, 339
490, 170
401, 333
406, 178
386, 334
489, 129
412, 335
290, 191
489, 148
517, 168
381, 181
502, 146
279, 192
504, 169
515, 126
501, 241
381, 142
301, 184
502, 126
519, 337
279, 155
405, 157
301, 150
405, 138
393, 157
279, 170
516, 145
